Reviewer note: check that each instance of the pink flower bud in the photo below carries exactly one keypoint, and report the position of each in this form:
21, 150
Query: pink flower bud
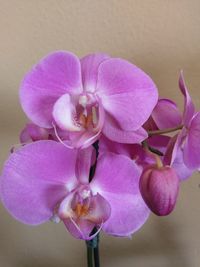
159, 188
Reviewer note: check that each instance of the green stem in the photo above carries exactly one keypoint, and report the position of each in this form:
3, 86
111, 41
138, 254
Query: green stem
96, 252
96, 257
93, 250
89, 256
153, 152
169, 130
93, 244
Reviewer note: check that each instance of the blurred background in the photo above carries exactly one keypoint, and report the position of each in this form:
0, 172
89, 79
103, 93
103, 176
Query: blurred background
161, 37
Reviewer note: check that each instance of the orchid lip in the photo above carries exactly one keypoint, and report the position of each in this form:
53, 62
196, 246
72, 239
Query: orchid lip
76, 204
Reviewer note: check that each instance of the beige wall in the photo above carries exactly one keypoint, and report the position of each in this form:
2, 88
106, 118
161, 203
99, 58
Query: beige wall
160, 36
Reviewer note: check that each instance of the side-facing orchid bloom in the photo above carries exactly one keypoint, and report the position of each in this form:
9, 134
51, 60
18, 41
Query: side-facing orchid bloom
89, 96
186, 144
45, 180
183, 151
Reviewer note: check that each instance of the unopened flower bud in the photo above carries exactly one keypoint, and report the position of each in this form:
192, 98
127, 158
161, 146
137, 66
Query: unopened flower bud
159, 188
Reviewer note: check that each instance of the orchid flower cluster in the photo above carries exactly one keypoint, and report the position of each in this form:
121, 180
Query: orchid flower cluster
101, 150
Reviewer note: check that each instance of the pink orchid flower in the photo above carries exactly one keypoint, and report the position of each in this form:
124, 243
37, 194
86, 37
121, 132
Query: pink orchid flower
89, 96
186, 144
45, 180
183, 151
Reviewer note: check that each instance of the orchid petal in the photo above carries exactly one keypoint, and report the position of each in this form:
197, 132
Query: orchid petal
159, 142
85, 158
35, 178
56, 74
188, 105
127, 93
173, 146
106, 145
174, 156
179, 166
166, 114
134, 151
150, 125
32, 132
191, 151
119, 185
112, 131
89, 67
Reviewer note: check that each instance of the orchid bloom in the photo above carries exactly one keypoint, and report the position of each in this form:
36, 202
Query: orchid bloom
183, 150
186, 145
45, 180
89, 96
190, 135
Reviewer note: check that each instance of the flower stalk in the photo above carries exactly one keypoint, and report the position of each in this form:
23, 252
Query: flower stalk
169, 130
89, 256
93, 244
93, 252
